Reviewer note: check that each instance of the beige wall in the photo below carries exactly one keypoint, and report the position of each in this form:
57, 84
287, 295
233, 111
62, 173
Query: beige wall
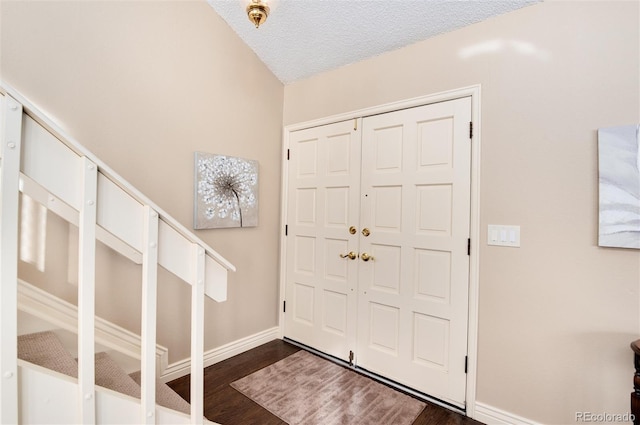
556, 315
143, 85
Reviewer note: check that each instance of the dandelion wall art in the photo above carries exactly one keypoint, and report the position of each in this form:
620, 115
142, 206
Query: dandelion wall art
226, 191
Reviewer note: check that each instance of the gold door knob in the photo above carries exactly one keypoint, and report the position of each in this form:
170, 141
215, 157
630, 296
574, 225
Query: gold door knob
351, 255
366, 257
353, 230
366, 232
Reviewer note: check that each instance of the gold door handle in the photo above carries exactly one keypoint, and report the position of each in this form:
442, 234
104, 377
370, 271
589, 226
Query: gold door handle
366, 257
366, 232
351, 255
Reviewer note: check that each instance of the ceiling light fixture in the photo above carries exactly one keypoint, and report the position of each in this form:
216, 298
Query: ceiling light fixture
257, 11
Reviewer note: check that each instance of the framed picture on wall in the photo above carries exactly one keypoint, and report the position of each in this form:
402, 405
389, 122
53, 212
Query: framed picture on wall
619, 185
226, 191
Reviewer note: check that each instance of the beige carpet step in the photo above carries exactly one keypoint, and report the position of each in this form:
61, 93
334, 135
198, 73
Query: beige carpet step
46, 350
165, 396
110, 375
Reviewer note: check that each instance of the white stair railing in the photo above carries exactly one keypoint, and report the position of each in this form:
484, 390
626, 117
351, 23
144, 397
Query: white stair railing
38, 159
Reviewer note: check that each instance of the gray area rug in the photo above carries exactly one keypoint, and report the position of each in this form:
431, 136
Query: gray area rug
306, 389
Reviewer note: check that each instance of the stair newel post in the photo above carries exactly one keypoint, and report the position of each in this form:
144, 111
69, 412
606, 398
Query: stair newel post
197, 336
9, 204
149, 310
86, 292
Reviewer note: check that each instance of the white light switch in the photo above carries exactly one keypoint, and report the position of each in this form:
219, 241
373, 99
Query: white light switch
502, 235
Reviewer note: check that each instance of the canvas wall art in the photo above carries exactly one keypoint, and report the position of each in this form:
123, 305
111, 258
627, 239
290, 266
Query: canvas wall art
226, 191
619, 178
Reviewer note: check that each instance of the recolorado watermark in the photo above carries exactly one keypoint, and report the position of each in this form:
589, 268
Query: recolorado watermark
604, 417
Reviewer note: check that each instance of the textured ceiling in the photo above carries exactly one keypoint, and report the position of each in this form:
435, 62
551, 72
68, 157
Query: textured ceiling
305, 37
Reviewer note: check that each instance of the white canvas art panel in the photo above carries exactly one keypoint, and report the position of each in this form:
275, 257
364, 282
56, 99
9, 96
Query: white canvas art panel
619, 169
226, 191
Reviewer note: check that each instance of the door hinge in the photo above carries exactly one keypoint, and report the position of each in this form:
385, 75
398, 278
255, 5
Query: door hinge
470, 130
284, 306
469, 246
288, 154
355, 123
286, 230
466, 364
350, 358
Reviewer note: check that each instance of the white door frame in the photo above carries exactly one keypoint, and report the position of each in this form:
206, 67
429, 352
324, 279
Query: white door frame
474, 277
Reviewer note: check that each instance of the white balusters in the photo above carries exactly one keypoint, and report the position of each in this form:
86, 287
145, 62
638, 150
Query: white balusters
9, 177
197, 335
86, 293
149, 300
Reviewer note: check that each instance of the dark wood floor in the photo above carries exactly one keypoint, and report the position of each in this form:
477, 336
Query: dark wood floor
227, 406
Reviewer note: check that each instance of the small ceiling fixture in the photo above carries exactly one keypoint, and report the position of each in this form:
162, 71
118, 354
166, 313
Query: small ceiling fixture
257, 11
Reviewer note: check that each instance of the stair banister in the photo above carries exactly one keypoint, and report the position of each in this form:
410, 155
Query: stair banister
50, 174
10, 140
46, 123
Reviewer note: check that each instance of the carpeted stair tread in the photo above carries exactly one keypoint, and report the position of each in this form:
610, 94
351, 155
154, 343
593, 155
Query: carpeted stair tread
112, 376
46, 350
165, 396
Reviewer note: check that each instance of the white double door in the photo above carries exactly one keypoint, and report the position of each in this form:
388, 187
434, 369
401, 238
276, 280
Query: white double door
377, 248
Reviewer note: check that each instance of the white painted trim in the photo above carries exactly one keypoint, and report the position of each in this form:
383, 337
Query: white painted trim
64, 315
474, 276
387, 107
284, 199
474, 258
493, 416
216, 355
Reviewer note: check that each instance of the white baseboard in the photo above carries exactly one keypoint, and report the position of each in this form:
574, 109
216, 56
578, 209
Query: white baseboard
215, 355
493, 416
64, 315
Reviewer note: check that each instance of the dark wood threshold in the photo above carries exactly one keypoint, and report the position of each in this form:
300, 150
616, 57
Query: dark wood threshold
227, 406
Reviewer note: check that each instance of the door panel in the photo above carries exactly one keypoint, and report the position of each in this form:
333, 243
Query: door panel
324, 187
402, 303
412, 300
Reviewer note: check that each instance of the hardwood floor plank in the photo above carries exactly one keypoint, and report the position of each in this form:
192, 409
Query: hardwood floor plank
225, 405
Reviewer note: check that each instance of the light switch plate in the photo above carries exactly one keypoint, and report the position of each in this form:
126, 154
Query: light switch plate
502, 235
